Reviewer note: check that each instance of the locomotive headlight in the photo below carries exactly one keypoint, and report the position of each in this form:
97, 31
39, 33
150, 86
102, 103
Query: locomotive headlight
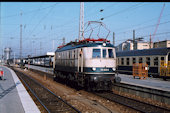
114, 69
95, 78
94, 69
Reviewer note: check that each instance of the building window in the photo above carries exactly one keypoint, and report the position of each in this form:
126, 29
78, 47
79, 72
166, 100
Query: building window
148, 60
134, 60
122, 61
140, 59
156, 61
96, 53
127, 61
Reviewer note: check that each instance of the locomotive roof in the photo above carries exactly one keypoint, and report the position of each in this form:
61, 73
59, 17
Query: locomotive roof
90, 44
144, 52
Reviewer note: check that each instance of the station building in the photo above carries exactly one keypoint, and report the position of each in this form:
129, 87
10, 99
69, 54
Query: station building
139, 45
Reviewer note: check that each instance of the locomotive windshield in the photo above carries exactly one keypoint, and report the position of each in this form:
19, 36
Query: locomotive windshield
106, 53
96, 53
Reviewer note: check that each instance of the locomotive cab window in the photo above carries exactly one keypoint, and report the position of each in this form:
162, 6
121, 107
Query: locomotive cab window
104, 53
96, 53
110, 51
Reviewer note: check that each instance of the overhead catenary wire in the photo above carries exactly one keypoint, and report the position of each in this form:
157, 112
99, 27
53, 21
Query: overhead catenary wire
148, 26
124, 10
33, 30
28, 12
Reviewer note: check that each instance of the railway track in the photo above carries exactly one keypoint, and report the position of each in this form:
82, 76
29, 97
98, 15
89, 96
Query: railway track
132, 103
51, 102
125, 101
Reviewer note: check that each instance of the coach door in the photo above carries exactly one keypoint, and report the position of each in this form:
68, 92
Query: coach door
80, 61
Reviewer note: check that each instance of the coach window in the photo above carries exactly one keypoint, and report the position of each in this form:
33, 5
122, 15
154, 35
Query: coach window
140, 59
96, 53
134, 60
110, 51
148, 60
162, 60
122, 61
104, 53
127, 61
156, 61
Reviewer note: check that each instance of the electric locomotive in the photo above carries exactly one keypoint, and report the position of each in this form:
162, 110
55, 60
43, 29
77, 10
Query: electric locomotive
90, 63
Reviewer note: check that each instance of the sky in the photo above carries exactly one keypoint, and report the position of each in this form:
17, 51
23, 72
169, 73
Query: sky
44, 24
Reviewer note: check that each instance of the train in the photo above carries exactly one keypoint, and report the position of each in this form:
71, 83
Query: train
44, 61
152, 57
89, 63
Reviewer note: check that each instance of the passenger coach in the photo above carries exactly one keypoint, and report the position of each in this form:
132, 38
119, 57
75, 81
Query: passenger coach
153, 57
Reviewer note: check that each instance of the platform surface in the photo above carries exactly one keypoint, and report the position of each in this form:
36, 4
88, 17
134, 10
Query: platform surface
156, 83
13, 96
43, 69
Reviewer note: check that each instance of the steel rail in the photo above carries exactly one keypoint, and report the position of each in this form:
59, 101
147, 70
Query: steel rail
132, 103
76, 110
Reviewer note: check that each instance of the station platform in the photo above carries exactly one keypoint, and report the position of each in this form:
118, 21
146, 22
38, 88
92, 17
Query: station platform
43, 69
150, 82
14, 98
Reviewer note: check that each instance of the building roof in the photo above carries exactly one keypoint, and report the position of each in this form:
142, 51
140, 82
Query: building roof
144, 52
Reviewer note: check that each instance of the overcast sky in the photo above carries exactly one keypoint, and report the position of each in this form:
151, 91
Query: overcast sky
46, 23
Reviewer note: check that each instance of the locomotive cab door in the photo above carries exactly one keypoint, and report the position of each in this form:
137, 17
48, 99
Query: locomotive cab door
80, 60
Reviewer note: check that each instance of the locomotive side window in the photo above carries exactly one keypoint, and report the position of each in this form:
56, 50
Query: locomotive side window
74, 54
155, 61
104, 53
148, 60
110, 51
96, 53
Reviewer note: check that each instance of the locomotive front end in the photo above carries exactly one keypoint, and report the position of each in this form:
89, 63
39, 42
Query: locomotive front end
100, 66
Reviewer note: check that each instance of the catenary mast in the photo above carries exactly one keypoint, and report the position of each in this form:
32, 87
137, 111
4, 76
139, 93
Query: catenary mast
81, 24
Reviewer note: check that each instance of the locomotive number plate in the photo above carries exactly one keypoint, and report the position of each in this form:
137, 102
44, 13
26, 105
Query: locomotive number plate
104, 69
